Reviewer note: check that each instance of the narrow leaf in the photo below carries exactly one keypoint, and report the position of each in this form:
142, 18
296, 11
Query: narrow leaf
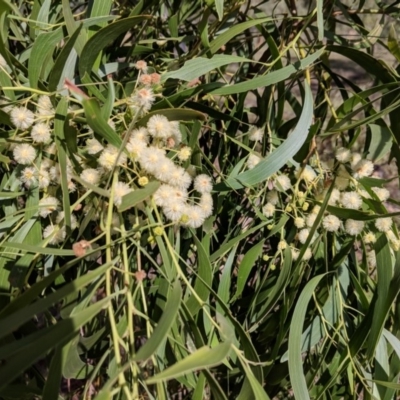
271, 78
296, 373
197, 67
233, 31
245, 268
137, 196
288, 149
43, 46
205, 357
102, 38
31, 349
164, 325
97, 122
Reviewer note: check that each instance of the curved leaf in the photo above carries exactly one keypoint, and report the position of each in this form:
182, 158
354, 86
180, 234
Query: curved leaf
42, 48
233, 31
32, 347
296, 373
271, 78
97, 122
205, 357
200, 66
164, 325
137, 196
102, 38
278, 158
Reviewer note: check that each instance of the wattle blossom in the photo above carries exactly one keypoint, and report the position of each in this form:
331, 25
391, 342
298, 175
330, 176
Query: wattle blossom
22, 118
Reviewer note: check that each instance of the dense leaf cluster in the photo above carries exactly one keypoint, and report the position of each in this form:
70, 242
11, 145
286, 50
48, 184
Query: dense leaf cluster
111, 287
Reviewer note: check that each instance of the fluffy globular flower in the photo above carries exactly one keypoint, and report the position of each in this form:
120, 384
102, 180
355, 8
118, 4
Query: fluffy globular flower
40, 133
299, 222
202, 183
150, 157
311, 219
45, 108
162, 195
363, 168
55, 173
184, 153
159, 126
155, 78
91, 176
44, 178
142, 99
21, 117
331, 223
382, 193
57, 235
351, 200
303, 235
369, 238
47, 205
178, 195
24, 154
355, 158
252, 161
28, 176
179, 178
282, 183
256, 134
307, 254
176, 135
194, 216
343, 155
108, 157
136, 147
141, 65
140, 134
173, 211
383, 224
206, 204
61, 218
120, 190
163, 169
282, 245
145, 79
316, 209
71, 186
273, 197
353, 227
371, 259
93, 146
268, 210
335, 197
295, 254
307, 173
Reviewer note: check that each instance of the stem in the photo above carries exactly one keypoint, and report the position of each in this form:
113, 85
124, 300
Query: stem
114, 332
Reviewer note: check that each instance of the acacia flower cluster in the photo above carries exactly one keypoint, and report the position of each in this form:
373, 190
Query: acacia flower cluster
152, 152
299, 196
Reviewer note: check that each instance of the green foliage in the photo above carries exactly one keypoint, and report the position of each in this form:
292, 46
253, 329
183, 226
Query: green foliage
188, 203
